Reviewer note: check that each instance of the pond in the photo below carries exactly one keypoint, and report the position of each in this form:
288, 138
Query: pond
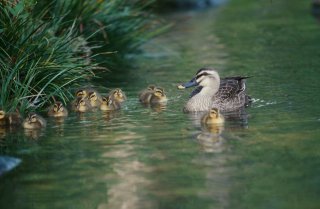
143, 157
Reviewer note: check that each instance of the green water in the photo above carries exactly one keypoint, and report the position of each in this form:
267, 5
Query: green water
161, 158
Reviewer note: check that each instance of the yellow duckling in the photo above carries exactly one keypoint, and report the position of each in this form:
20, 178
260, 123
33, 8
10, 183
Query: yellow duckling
158, 96
57, 110
108, 104
94, 99
34, 121
82, 93
118, 95
82, 105
146, 94
213, 117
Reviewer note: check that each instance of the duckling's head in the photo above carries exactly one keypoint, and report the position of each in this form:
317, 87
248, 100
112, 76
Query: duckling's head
151, 87
159, 92
214, 113
93, 96
107, 101
81, 93
205, 77
58, 107
81, 102
119, 95
2, 114
34, 121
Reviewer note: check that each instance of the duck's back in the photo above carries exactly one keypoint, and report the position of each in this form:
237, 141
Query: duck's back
231, 94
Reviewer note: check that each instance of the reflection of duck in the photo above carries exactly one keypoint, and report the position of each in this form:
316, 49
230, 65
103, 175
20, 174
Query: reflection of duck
57, 110
108, 104
118, 95
227, 94
34, 121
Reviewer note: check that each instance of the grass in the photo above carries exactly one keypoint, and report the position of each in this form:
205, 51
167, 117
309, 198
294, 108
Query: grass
48, 48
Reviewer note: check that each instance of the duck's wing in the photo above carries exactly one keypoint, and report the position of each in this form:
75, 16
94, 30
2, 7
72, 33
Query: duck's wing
231, 87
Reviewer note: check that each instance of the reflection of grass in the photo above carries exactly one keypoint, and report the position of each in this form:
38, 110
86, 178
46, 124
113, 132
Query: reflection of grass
48, 47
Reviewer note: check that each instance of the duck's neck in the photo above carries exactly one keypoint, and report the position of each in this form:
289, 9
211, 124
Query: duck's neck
203, 100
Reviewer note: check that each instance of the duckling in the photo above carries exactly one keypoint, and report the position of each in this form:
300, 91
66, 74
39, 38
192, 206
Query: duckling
58, 110
82, 105
108, 104
3, 120
34, 121
94, 98
12, 118
145, 94
82, 93
158, 96
213, 117
118, 95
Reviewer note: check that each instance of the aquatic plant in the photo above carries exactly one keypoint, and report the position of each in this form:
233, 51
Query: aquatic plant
49, 47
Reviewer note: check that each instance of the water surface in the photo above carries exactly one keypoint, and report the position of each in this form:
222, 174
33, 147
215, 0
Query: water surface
142, 157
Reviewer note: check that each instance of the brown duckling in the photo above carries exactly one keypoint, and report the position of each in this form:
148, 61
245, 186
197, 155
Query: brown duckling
158, 96
12, 118
94, 99
145, 94
213, 117
108, 104
34, 121
57, 110
82, 105
82, 93
3, 120
118, 95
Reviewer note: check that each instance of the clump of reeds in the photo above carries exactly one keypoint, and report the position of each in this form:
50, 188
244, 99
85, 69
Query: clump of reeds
48, 47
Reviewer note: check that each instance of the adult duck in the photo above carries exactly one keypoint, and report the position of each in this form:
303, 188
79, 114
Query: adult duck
226, 94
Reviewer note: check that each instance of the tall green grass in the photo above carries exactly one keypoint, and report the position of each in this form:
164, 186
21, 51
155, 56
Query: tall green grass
47, 48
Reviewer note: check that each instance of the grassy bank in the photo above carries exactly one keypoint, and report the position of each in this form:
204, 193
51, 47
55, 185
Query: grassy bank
48, 48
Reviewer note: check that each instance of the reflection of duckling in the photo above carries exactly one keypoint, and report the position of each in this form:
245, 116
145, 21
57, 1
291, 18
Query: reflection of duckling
213, 117
109, 104
94, 98
145, 94
118, 95
34, 121
58, 110
82, 105
158, 96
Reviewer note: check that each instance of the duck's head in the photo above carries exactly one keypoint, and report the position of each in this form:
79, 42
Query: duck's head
58, 107
214, 113
205, 77
2, 114
151, 87
119, 95
81, 93
32, 118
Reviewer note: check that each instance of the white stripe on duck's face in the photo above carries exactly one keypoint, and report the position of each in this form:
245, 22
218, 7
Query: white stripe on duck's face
207, 77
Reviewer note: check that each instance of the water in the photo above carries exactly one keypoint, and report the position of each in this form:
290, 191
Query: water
161, 158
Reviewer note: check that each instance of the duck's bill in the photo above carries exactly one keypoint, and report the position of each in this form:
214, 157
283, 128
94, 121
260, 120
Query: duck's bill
191, 83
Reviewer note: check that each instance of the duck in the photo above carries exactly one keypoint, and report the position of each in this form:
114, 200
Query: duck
228, 94
117, 95
82, 93
34, 121
3, 120
158, 96
145, 94
108, 104
213, 117
57, 110
82, 105
94, 99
